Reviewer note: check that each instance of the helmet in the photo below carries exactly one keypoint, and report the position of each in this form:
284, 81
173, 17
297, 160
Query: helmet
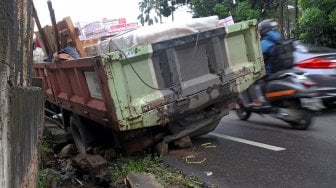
266, 25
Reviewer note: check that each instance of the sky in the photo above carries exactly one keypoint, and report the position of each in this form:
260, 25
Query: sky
86, 11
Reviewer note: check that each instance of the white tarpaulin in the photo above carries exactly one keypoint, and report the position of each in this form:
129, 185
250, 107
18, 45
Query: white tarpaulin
156, 33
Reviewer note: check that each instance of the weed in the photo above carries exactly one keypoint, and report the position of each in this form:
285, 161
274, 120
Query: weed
151, 163
42, 178
47, 152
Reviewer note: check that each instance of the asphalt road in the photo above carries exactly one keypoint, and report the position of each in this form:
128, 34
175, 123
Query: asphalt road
263, 152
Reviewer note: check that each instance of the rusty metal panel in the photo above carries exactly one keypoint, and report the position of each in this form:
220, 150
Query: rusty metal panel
78, 86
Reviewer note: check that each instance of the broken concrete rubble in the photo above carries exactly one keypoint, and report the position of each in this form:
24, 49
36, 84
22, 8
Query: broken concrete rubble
184, 142
161, 148
141, 180
94, 169
81, 162
59, 136
96, 164
67, 151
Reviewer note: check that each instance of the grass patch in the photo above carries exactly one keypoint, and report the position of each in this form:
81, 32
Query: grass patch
46, 163
151, 163
42, 181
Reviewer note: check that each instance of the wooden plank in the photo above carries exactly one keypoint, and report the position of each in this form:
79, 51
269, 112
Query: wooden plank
61, 25
50, 35
74, 36
89, 42
90, 46
53, 21
64, 38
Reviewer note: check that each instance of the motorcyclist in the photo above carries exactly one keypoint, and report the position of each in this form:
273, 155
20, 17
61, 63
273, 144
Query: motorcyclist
269, 36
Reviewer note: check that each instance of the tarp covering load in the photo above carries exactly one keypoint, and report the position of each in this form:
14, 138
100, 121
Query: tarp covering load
157, 33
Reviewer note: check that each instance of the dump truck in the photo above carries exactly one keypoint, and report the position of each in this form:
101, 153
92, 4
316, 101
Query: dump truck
153, 92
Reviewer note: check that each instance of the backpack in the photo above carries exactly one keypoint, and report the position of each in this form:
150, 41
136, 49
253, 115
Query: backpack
282, 56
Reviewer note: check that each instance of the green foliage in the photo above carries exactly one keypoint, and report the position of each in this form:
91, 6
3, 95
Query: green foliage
147, 7
325, 5
221, 11
152, 11
244, 11
203, 8
42, 181
46, 176
47, 151
151, 164
317, 24
165, 9
332, 18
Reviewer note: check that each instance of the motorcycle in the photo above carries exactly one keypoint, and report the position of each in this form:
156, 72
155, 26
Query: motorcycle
290, 96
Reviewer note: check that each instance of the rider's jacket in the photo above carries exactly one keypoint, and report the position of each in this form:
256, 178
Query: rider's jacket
267, 43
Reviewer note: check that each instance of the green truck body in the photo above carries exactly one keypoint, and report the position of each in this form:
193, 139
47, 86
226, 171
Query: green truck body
186, 84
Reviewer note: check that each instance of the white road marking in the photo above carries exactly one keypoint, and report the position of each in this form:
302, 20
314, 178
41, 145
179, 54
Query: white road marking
253, 143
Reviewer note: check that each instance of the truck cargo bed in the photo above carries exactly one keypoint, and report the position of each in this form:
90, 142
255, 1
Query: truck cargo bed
160, 83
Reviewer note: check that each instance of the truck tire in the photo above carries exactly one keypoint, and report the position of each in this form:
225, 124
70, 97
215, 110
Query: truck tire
80, 133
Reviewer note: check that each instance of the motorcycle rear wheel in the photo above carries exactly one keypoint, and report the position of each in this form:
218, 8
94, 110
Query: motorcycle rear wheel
242, 113
304, 122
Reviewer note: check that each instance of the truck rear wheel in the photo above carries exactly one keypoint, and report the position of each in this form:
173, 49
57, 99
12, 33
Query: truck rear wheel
80, 133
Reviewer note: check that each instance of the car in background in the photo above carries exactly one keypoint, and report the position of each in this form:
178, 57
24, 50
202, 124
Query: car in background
319, 64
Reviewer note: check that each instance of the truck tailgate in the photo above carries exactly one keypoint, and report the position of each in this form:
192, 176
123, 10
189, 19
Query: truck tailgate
162, 82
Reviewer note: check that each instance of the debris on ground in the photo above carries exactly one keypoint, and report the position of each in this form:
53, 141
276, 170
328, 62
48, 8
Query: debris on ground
140, 180
209, 145
184, 142
68, 151
62, 166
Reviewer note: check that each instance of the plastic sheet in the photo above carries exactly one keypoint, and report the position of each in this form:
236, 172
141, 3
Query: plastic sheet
157, 33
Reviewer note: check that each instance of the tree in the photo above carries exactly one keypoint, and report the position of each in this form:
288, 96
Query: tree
245, 11
317, 24
203, 8
160, 8
147, 7
241, 10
